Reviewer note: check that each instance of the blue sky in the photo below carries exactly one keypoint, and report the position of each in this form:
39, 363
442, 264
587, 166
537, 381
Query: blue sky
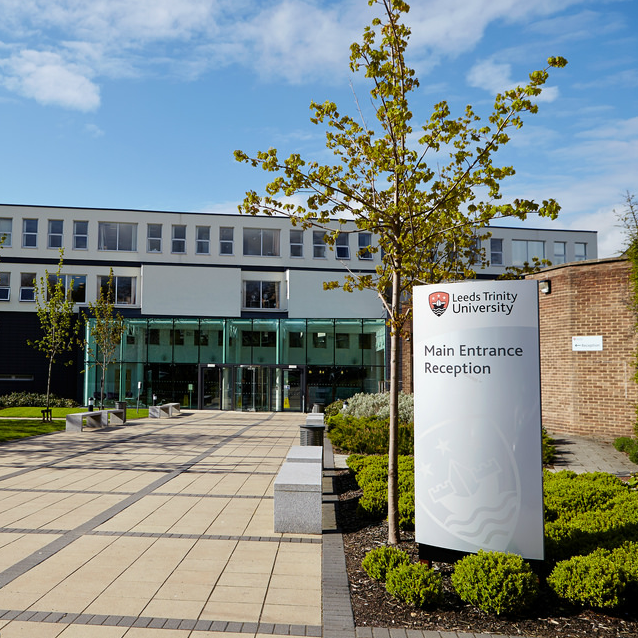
140, 103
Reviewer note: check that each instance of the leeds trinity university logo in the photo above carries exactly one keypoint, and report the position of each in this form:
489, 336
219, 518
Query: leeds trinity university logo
439, 302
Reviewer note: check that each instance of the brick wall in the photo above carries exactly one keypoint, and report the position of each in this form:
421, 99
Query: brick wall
588, 393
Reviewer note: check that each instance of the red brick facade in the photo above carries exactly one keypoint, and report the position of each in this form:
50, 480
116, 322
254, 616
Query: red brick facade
588, 393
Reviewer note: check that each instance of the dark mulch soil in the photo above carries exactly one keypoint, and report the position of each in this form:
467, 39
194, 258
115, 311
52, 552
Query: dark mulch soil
374, 607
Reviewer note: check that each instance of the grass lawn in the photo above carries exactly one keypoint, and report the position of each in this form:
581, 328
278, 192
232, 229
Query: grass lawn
60, 413
18, 429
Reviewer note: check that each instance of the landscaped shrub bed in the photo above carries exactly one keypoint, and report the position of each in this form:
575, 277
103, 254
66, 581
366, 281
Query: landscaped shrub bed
34, 400
591, 544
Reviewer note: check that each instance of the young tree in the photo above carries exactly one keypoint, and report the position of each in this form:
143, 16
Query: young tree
426, 196
54, 306
104, 329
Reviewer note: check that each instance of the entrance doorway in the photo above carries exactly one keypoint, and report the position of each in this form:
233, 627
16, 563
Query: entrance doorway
252, 388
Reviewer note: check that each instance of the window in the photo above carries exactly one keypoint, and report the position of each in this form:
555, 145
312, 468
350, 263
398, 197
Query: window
261, 241
261, 294
178, 244
154, 337
580, 251
226, 241
343, 246
559, 252
295, 339
476, 254
5, 231
296, 243
365, 241
5, 286
80, 235
525, 251
117, 236
74, 286
154, 238
318, 244
496, 252
202, 244
319, 340
342, 340
27, 286
123, 292
29, 233
56, 227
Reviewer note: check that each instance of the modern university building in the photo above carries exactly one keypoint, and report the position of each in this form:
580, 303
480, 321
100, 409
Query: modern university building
221, 311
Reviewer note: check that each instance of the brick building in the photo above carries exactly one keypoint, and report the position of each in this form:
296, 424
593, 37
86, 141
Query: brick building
591, 393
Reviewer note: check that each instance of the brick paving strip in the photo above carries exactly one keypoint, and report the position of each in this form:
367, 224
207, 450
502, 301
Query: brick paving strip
88, 528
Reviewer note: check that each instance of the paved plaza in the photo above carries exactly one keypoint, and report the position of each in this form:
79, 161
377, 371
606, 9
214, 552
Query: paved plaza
158, 529
164, 529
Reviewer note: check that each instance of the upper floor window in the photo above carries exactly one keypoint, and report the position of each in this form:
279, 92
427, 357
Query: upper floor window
117, 236
5, 286
343, 246
365, 241
261, 294
178, 243
56, 228
154, 238
123, 291
261, 241
580, 251
6, 224
318, 244
27, 286
476, 251
226, 240
296, 243
202, 243
524, 251
496, 251
74, 286
80, 235
559, 252
29, 233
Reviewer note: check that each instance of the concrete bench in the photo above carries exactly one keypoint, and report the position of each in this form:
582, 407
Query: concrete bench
298, 495
305, 454
163, 411
95, 419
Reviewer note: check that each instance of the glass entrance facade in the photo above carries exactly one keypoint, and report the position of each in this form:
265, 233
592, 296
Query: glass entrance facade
243, 364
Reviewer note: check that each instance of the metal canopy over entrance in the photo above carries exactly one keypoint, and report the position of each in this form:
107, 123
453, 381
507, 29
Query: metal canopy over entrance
252, 388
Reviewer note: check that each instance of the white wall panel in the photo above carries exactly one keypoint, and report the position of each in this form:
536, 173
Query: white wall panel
191, 291
307, 298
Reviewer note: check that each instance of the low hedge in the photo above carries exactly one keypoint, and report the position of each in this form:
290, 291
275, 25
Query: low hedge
34, 400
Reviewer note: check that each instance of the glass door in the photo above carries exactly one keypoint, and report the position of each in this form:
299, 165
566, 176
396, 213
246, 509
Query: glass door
293, 394
252, 388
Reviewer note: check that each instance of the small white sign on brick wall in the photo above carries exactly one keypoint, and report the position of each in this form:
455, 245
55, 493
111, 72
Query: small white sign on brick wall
587, 343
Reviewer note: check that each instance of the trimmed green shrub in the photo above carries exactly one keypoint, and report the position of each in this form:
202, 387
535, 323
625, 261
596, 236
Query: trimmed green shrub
608, 525
495, 582
378, 562
591, 581
355, 462
548, 449
415, 584
34, 400
333, 408
371, 473
633, 455
625, 444
374, 500
367, 435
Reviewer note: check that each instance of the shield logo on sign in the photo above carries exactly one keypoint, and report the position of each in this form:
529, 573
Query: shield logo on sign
439, 302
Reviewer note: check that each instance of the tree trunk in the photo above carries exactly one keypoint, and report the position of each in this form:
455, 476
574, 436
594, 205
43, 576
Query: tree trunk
393, 444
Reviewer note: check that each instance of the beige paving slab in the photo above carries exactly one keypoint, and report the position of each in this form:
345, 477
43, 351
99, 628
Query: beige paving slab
15, 629
292, 614
232, 611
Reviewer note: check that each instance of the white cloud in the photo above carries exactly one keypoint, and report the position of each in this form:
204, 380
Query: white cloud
49, 79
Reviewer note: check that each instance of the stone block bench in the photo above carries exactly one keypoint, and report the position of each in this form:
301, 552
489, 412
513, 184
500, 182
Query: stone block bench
305, 454
95, 419
163, 411
298, 496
